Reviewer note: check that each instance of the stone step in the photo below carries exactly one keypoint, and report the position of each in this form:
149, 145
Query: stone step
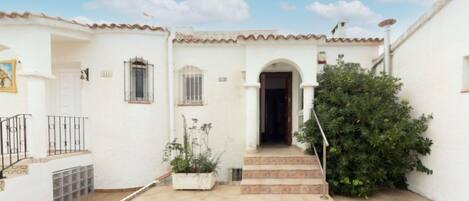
279, 160
282, 186
281, 171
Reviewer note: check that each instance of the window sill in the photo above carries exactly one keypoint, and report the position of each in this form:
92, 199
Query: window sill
139, 102
190, 104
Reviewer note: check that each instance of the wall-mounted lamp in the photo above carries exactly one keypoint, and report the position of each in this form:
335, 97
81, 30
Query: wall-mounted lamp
85, 74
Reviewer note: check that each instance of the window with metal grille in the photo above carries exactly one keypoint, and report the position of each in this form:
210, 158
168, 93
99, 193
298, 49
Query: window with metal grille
138, 80
192, 86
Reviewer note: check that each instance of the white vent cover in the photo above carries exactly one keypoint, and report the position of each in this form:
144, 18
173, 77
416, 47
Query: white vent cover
106, 73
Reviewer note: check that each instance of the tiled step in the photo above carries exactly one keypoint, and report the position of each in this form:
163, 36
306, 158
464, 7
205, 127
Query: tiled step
279, 160
282, 186
16, 170
12, 172
281, 171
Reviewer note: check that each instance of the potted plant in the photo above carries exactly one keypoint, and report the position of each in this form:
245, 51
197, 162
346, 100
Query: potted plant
192, 163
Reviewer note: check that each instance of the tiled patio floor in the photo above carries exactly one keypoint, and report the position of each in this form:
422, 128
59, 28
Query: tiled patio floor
388, 195
107, 196
232, 193
220, 193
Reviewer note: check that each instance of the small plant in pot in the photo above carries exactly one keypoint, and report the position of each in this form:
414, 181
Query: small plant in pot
193, 165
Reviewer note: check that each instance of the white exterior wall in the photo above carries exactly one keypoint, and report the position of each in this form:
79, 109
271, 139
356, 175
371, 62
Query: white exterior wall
127, 139
37, 184
303, 56
363, 55
30, 45
223, 101
430, 65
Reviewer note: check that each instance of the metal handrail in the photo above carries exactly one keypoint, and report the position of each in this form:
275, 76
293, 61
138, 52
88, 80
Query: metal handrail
13, 141
66, 134
141, 190
325, 144
320, 128
3, 119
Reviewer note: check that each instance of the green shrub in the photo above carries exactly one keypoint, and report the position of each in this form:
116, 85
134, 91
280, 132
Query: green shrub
374, 141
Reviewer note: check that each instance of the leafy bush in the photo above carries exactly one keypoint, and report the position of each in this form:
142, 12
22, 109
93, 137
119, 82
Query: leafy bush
193, 155
374, 141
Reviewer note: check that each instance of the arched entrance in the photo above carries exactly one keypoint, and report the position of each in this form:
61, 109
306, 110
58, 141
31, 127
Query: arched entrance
279, 101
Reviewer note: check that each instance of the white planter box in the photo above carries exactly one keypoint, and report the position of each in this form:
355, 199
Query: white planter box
194, 181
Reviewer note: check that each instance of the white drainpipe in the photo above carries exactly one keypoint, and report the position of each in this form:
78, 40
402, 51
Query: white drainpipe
387, 50
386, 24
172, 130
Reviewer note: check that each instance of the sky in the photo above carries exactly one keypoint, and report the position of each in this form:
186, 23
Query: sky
286, 16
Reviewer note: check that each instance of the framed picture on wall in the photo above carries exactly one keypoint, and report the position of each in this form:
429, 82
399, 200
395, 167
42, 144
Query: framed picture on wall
8, 76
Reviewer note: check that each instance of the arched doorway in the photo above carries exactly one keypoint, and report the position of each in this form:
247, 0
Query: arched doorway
279, 101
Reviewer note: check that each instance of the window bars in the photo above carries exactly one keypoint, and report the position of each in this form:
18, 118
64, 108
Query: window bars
13, 141
191, 86
66, 134
138, 80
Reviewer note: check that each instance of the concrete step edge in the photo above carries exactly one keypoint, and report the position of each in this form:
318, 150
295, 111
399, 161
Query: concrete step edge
276, 182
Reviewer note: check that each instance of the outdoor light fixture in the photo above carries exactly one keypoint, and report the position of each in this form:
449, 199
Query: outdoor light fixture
85, 74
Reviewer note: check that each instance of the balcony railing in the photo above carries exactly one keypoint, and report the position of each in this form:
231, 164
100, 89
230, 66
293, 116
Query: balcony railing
66, 134
13, 140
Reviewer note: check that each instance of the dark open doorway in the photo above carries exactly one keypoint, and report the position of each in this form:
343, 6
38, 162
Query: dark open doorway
275, 108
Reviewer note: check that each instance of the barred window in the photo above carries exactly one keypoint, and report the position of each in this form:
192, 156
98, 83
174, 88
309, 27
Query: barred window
138, 81
191, 86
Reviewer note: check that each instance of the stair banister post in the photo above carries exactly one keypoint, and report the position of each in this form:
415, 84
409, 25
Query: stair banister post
324, 149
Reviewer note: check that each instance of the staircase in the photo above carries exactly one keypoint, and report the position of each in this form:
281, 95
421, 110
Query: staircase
281, 170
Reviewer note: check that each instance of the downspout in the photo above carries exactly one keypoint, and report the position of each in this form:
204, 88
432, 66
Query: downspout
386, 24
172, 130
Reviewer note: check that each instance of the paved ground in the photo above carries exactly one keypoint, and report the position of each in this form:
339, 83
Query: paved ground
232, 193
107, 196
388, 195
220, 193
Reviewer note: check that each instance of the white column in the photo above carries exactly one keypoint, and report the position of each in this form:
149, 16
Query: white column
37, 136
252, 116
308, 102
308, 98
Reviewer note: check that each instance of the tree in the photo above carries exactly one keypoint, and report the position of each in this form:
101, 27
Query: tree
374, 140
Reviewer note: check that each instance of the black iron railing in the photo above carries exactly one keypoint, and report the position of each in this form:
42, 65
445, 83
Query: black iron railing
66, 134
13, 141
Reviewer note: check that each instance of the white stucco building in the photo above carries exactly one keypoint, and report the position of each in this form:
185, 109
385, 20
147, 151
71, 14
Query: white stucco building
432, 60
218, 77
133, 83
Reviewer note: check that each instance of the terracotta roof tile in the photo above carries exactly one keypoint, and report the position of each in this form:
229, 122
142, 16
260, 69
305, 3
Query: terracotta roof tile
354, 40
188, 38
200, 37
25, 15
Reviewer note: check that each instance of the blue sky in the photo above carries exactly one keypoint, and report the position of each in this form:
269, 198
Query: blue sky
288, 16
